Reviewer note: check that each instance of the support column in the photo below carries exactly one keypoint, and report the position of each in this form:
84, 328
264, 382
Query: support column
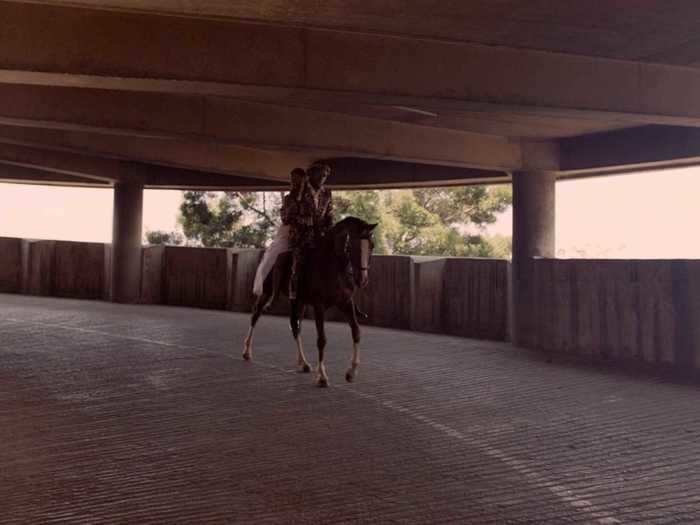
126, 242
533, 236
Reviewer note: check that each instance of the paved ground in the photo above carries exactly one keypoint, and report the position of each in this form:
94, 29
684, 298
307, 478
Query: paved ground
117, 414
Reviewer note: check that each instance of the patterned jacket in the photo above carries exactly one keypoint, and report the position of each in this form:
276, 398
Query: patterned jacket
308, 220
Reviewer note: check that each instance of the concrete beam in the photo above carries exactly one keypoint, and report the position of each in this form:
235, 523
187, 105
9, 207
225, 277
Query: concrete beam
348, 172
634, 149
15, 174
233, 122
274, 59
175, 153
371, 173
55, 167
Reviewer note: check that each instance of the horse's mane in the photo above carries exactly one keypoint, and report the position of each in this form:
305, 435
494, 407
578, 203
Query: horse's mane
348, 223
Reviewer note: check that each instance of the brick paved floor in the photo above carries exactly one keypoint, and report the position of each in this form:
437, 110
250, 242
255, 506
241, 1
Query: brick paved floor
121, 414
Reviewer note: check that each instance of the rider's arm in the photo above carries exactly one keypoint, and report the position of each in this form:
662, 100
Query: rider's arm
329, 219
289, 209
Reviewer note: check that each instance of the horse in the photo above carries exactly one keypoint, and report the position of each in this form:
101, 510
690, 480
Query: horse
333, 271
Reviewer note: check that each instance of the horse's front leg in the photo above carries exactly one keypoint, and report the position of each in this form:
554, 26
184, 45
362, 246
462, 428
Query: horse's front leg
296, 316
351, 313
319, 314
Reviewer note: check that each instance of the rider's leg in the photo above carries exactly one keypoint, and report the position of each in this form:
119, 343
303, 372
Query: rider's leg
294, 277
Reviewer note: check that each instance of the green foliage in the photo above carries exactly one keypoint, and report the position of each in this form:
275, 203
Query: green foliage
163, 237
436, 221
241, 219
478, 205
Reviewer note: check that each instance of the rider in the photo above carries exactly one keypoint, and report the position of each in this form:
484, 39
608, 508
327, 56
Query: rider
280, 243
310, 220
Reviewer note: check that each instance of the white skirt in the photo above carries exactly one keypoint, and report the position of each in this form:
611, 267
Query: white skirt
279, 245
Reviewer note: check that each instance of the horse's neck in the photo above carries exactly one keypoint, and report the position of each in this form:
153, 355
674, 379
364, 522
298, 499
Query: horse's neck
326, 253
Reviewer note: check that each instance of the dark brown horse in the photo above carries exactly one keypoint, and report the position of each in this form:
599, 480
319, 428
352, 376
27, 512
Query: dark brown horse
333, 271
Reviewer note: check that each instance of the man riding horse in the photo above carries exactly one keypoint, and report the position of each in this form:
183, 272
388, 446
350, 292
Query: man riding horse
309, 219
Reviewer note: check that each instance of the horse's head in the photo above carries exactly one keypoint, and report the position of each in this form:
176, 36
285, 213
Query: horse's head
354, 236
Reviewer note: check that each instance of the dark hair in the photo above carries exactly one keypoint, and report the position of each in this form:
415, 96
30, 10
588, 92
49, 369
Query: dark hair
297, 172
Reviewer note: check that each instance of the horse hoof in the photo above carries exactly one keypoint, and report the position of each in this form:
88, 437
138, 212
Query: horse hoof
246, 356
322, 383
306, 369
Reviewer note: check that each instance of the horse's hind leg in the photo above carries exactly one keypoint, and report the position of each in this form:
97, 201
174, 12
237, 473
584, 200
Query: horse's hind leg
296, 315
351, 313
319, 313
257, 312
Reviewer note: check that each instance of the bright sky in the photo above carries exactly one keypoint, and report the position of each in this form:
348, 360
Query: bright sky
644, 215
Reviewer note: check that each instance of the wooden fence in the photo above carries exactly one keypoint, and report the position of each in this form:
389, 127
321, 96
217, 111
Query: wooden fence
465, 297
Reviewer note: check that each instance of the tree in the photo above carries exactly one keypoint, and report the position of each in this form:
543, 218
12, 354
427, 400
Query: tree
368, 206
241, 219
163, 237
478, 205
435, 221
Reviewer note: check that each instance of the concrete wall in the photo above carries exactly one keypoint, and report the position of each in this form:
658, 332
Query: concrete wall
242, 266
152, 275
646, 311
388, 297
79, 270
37, 267
60, 268
195, 277
464, 297
64, 269
10, 265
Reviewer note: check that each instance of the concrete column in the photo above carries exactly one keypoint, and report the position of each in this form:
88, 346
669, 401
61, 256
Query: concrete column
533, 236
126, 242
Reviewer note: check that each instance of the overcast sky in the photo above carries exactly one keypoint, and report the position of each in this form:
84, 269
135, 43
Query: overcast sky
646, 215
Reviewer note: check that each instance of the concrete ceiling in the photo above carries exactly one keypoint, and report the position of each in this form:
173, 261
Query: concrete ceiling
451, 91
639, 30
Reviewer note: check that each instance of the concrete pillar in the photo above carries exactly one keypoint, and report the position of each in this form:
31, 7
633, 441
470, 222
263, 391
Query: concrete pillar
126, 242
533, 236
